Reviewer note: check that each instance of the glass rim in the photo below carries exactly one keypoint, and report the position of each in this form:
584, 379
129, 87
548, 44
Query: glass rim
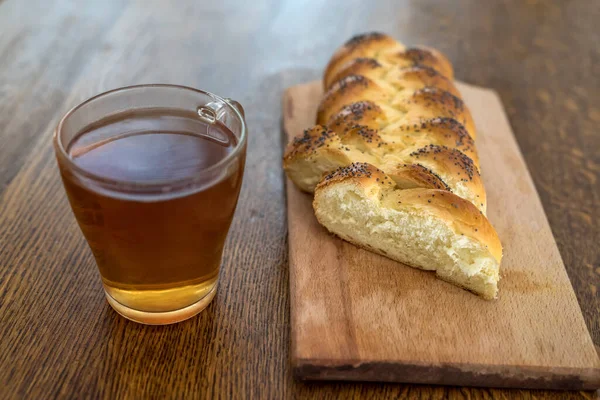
173, 184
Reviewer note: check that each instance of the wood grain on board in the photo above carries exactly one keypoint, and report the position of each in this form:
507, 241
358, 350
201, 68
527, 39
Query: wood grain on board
360, 316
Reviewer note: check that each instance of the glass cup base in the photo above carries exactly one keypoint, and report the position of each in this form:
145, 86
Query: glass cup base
162, 318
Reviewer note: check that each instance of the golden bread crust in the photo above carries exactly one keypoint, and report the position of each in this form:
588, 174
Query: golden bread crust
431, 102
461, 214
413, 77
364, 113
385, 50
455, 167
413, 154
422, 55
411, 176
420, 105
364, 45
351, 89
393, 162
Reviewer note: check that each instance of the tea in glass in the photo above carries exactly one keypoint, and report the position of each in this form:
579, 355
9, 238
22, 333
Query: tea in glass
154, 189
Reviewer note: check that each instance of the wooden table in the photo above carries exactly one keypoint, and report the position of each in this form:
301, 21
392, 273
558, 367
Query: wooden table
58, 336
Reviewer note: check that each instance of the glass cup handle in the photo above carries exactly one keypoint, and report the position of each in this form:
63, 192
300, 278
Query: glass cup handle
213, 111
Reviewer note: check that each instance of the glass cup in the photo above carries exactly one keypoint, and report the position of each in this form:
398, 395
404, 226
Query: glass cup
153, 174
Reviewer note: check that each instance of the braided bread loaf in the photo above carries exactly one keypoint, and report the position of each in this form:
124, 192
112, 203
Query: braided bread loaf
406, 184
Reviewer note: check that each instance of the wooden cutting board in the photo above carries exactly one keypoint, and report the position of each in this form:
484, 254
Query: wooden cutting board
359, 316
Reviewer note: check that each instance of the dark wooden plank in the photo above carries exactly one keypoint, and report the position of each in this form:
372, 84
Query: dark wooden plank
40, 62
60, 339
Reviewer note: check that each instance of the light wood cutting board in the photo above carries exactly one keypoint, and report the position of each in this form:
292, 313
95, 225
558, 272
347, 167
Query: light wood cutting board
359, 316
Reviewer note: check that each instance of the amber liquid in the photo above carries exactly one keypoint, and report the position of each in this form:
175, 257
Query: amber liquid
157, 252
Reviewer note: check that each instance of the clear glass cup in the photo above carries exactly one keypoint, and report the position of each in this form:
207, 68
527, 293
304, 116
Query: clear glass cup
153, 175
